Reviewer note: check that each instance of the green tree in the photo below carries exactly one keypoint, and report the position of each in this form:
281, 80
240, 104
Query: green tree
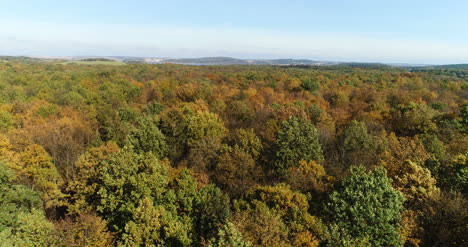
310, 85
236, 172
262, 226
123, 180
354, 138
186, 125
22, 219
14, 199
147, 137
154, 226
413, 119
86, 181
296, 140
229, 236
247, 141
30, 230
445, 221
365, 205
292, 207
416, 183
212, 211
455, 175
464, 117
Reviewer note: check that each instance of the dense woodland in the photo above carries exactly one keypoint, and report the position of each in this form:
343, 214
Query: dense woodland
237, 156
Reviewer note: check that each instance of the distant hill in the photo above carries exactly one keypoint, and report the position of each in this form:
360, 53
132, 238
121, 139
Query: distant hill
206, 61
233, 61
101, 59
451, 66
364, 65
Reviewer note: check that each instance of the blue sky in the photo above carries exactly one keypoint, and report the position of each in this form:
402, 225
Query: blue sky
411, 31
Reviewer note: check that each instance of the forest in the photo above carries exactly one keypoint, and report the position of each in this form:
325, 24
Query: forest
232, 156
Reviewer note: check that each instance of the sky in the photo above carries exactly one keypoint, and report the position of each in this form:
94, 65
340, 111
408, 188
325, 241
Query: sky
392, 31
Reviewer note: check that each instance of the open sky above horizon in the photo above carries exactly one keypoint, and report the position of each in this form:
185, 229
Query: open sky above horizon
398, 31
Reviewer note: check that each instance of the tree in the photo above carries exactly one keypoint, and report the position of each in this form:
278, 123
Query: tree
35, 168
296, 140
247, 141
229, 236
445, 221
292, 208
212, 211
365, 205
30, 229
262, 227
338, 237
416, 184
395, 151
310, 85
86, 182
309, 177
14, 199
413, 119
455, 176
464, 117
154, 226
6, 120
84, 230
236, 172
190, 125
124, 179
22, 219
147, 137
354, 140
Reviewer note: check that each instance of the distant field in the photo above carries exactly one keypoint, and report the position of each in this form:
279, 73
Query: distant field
94, 62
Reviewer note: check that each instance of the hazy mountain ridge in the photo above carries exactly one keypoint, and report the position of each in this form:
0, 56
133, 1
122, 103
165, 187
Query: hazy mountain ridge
236, 61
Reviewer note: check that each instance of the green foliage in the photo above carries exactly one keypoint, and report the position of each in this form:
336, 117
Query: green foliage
229, 236
416, 183
296, 140
154, 226
414, 119
434, 146
125, 179
354, 137
29, 229
6, 120
86, 143
455, 177
154, 108
292, 208
366, 206
464, 117
211, 212
14, 199
147, 137
338, 237
310, 85
445, 221
22, 220
182, 194
247, 141
83, 189
187, 126
262, 226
